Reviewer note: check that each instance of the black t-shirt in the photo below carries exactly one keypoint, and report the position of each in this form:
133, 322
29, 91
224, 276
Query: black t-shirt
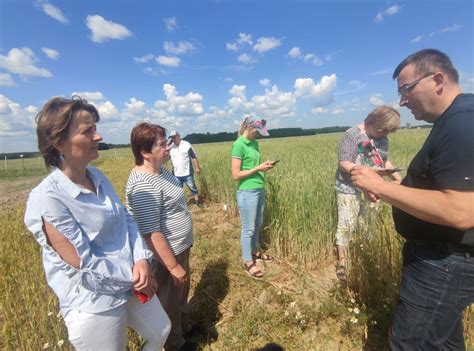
445, 162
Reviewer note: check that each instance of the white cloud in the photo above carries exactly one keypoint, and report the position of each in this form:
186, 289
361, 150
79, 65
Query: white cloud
51, 53
143, 59
274, 103
308, 57
265, 82
417, 39
16, 121
247, 59
168, 61
232, 46
22, 61
390, 11
228, 79
6, 80
90, 96
450, 29
154, 72
170, 24
322, 92
54, 12
337, 111
265, 44
376, 100
319, 110
378, 18
103, 30
243, 40
182, 47
295, 52
180, 106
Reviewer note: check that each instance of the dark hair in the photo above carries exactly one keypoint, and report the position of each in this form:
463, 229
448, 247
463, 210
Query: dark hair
143, 138
429, 61
53, 123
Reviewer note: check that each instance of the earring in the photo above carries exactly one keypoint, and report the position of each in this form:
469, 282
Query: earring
61, 157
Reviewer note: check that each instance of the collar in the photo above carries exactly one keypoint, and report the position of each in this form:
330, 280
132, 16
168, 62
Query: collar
72, 188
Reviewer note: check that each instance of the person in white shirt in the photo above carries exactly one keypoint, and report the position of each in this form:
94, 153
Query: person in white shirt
185, 163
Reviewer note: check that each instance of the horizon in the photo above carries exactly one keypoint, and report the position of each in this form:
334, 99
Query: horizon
198, 67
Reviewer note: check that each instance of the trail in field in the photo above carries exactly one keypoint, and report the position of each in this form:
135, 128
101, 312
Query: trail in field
14, 191
217, 244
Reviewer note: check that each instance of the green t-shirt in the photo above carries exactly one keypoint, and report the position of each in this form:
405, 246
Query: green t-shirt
248, 152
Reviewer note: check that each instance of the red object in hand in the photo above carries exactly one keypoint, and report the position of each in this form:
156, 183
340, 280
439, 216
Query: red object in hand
142, 297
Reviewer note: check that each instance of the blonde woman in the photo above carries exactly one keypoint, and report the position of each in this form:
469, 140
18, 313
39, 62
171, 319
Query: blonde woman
367, 144
248, 171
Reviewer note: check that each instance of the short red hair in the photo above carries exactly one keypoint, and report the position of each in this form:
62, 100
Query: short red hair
143, 138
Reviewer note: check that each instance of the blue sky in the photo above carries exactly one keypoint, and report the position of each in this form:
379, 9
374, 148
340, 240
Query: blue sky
199, 66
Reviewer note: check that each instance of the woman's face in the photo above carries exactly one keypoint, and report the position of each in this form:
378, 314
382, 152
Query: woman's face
252, 133
160, 152
82, 144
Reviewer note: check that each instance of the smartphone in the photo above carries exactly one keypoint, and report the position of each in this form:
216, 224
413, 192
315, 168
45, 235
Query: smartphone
275, 162
393, 170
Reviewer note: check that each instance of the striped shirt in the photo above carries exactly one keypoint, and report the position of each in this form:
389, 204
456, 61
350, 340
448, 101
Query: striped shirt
157, 203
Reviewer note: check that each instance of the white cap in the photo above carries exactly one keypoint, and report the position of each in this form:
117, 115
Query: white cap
173, 133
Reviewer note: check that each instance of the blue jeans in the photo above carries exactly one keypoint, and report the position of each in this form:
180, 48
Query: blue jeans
251, 205
437, 285
189, 181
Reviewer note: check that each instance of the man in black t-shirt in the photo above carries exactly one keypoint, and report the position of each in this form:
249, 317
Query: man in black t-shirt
433, 207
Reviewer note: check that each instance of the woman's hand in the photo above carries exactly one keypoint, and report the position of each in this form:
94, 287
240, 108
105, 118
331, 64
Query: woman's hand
140, 275
265, 166
178, 273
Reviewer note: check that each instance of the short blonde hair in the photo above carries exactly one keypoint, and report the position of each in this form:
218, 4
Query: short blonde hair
384, 118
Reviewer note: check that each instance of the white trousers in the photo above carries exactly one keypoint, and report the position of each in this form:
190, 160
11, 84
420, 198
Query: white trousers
107, 331
353, 210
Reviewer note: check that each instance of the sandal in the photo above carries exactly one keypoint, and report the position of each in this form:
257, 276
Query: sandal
262, 257
256, 273
341, 271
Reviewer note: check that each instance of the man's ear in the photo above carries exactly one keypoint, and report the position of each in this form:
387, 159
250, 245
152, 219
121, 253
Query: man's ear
440, 80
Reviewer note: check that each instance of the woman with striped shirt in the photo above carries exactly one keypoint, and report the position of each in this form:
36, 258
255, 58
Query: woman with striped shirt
156, 201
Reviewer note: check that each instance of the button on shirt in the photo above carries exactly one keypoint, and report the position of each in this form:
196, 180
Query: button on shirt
181, 156
104, 235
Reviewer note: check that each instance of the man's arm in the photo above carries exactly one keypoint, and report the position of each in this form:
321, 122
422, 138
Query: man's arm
160, 247
196, 165
452, 208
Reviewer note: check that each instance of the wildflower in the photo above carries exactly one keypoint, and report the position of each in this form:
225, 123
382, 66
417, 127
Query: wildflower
349, 309
293, 304
287, 313
298, 315
354, 320
50, 314
60, 343
356, 310
353, 301
46, 346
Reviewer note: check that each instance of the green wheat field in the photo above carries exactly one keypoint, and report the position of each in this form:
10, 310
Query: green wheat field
300, 221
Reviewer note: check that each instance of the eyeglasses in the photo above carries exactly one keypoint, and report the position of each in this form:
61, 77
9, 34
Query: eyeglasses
162, 143
405, 89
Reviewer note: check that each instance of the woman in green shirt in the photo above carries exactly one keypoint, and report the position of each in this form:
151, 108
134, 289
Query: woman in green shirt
249, 172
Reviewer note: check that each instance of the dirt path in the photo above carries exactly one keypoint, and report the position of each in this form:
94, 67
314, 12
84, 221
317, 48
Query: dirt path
226, 300
13, 191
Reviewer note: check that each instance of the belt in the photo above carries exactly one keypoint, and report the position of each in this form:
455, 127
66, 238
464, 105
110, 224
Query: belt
451, 248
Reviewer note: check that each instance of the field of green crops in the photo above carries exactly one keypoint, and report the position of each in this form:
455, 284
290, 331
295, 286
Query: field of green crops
300, 220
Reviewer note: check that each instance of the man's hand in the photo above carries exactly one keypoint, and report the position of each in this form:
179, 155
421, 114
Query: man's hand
367, 180
179, 275
140, 275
